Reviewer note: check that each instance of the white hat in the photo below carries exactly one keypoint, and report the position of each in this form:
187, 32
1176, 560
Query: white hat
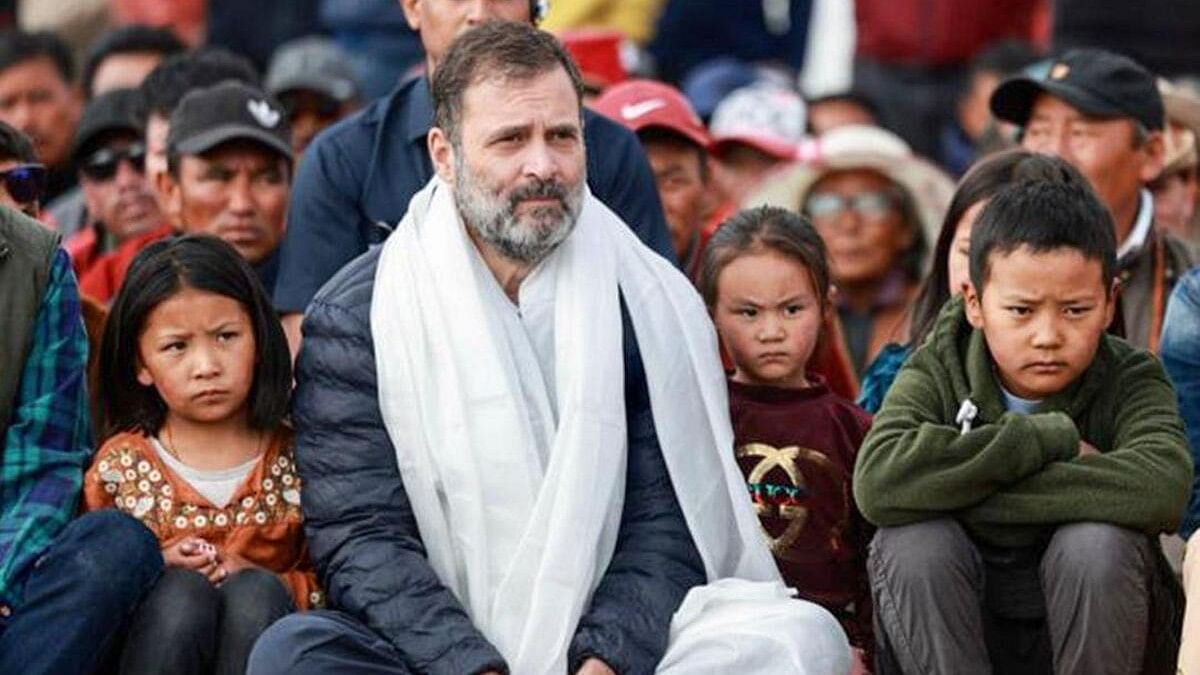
767, 118
865, 147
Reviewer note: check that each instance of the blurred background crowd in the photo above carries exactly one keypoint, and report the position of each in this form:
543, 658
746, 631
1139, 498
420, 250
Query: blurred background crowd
767, 78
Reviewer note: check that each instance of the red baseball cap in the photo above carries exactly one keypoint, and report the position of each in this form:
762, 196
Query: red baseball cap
643, 104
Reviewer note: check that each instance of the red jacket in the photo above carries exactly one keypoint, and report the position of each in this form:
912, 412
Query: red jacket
103, 278
941, 32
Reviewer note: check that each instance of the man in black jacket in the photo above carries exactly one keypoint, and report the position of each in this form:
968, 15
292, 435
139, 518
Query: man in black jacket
489, 483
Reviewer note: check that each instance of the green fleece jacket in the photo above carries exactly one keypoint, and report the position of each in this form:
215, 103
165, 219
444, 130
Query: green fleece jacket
1011, 478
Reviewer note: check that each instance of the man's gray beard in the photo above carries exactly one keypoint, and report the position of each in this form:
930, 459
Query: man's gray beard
494, 219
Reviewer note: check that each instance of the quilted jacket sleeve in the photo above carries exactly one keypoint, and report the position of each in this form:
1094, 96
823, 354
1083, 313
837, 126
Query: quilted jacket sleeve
361, 530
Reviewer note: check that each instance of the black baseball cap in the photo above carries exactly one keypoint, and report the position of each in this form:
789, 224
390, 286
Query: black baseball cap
225, 112
114, 111
1098, 83
312, 64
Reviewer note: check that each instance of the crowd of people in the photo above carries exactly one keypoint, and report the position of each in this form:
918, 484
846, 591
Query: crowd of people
506, 336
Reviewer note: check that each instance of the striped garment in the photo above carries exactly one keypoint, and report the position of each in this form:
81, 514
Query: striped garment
48, 444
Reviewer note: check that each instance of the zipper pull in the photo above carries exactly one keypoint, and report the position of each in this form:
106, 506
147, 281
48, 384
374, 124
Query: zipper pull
966, 415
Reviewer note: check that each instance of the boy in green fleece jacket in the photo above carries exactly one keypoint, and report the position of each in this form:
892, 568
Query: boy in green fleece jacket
1023, 462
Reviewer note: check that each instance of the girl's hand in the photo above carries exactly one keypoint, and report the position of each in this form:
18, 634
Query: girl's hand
231, 563
192, 553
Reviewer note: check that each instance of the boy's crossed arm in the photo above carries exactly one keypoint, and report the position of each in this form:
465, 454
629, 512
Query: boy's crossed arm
916, 464
1142, 482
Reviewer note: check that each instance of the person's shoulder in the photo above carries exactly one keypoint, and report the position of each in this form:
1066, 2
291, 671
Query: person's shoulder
22, 235
848, 413
1187, 288
1181, 255
355, 133
121, 452
847, 407
1120, 362
351, 289
604, 135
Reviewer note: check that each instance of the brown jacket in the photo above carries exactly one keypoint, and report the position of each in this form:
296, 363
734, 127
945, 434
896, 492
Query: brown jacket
1147, 277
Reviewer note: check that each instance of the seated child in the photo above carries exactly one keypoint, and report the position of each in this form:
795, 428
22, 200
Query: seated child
195, 378
1024, 461
765, 279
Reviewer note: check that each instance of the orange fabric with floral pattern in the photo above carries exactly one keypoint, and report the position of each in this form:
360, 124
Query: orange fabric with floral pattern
262, 522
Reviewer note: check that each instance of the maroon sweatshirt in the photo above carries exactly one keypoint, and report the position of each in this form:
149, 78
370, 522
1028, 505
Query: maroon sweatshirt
796, 448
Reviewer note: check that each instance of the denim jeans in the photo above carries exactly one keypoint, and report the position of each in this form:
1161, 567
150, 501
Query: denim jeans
187, 625
1180, 349
79, 596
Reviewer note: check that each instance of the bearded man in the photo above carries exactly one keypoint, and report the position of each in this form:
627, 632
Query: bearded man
512, 426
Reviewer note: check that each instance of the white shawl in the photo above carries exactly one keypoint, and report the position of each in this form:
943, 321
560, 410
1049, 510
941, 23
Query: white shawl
522, 534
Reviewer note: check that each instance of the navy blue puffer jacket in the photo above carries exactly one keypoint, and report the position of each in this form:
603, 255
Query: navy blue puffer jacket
363, 535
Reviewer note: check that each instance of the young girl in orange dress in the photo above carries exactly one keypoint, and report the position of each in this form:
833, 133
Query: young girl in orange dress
195, 380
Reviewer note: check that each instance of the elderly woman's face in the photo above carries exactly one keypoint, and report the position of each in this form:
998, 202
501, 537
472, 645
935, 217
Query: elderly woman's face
858, 213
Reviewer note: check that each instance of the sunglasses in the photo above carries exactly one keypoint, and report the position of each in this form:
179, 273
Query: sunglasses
25, 183
868, 205
103, 163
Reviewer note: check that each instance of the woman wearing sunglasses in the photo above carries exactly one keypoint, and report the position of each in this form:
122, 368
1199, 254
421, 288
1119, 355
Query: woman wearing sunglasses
875, 204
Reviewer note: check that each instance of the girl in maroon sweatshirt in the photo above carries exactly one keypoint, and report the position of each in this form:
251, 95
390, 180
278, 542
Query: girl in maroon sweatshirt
765, 280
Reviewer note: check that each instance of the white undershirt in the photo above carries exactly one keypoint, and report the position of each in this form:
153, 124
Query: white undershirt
215, 485
1141, 226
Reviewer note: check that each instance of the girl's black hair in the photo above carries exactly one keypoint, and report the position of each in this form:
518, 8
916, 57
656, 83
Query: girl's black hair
159, 271
986, 178
760, 229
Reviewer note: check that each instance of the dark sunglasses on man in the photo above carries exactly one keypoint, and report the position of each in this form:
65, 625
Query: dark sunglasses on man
103, 163
25, 183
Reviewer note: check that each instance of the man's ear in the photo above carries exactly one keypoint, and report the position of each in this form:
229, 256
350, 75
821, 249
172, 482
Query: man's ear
412, 15
1155, 153
167, 186
973, 303
441, 151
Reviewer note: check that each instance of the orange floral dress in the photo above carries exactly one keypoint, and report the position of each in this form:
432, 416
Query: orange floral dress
262, 522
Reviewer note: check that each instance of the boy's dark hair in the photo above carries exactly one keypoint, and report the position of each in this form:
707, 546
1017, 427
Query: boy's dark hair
982, 182
179, 74
134, 39
15, 146
18, 46
764, 228
506, 50
159, 271
1044, 216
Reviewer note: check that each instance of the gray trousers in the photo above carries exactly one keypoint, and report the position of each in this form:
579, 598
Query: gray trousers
927, 585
